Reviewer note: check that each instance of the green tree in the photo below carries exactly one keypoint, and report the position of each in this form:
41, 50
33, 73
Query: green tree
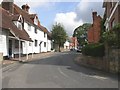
59, 35
81, 33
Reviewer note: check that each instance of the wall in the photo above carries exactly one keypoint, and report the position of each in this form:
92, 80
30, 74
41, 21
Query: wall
93, 62
109, 63
39, 36
114, 59
94, 30
49, 45
66, 45
4, 43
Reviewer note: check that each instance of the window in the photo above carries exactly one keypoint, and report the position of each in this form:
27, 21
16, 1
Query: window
36, 21
44, 34
111, 5
17, 44
35, 43
113, 23
29, 27
35, 30
44, 44
19, 26
29, 43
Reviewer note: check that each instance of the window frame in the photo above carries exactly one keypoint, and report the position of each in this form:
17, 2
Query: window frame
35, 30
45, 44
36, 43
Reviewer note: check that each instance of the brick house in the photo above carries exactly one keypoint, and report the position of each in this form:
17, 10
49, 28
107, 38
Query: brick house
112, 13
73, 43
93, 33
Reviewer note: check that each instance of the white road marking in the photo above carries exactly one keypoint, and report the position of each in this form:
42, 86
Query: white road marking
98, 77
62, 72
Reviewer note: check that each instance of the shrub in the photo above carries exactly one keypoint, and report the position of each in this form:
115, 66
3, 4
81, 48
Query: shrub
96, 50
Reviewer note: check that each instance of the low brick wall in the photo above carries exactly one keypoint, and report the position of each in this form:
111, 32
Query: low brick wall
110, 63
114, 59
94, 62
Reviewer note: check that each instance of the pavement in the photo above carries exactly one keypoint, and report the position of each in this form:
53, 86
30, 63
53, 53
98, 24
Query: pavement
56, 70
24, 58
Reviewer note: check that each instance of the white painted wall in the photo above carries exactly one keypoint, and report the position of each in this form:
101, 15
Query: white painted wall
49, 43
66, 44
39, 36
4, 42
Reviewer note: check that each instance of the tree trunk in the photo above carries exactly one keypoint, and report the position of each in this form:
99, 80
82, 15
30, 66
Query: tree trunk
59, 48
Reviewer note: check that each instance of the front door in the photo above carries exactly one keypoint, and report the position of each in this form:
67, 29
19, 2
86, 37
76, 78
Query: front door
10, 48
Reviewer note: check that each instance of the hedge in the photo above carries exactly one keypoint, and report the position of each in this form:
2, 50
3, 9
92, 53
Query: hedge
96, 50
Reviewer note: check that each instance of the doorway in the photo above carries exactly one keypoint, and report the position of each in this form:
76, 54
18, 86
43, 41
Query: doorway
10, 48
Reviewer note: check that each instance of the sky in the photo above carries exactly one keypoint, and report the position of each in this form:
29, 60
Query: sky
70, 13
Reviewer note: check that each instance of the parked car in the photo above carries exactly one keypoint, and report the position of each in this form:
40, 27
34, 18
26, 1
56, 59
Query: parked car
71, 49
79, 49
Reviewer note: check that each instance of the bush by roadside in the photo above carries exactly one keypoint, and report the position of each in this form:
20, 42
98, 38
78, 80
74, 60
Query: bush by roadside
95, 50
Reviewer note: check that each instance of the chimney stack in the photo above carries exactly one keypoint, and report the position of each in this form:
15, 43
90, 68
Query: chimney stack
94, 14
8, 5
26, 8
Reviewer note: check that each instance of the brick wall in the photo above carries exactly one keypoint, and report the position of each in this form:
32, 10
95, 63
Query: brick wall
109, 63
94, 62
94, 30
114, 57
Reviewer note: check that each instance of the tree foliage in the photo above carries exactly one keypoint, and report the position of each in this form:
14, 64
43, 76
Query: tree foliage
59, 35
81, 33
112, 37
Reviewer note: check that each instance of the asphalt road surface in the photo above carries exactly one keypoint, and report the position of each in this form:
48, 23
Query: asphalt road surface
56, 71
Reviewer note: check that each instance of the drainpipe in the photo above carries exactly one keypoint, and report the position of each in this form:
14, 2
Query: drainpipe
19, 50
40, 45
26, 51
32, 49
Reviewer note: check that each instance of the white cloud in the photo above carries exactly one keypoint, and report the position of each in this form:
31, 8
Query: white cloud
85, 8
83, 5
68, 21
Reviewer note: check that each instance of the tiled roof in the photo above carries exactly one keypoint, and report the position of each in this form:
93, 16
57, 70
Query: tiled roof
24, 14
8, 24
15, 17
32, 16
29, 18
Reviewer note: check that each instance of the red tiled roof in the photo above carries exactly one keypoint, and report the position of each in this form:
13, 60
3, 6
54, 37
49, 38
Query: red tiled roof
8, 24
24, 14
32, 16
29, 17
15, 17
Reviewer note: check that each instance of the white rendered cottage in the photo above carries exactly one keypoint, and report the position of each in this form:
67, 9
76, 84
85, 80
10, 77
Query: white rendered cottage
24, 34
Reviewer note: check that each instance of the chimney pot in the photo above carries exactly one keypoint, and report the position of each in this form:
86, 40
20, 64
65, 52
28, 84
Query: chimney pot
26, 8
94, 14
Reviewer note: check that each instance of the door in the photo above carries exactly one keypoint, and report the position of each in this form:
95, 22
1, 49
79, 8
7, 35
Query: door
10, 48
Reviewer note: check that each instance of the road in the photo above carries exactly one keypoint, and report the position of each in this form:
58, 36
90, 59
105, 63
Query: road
56, 71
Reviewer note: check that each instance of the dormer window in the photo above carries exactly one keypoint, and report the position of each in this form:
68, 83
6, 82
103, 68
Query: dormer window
18, 21
36, 20
19, 26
